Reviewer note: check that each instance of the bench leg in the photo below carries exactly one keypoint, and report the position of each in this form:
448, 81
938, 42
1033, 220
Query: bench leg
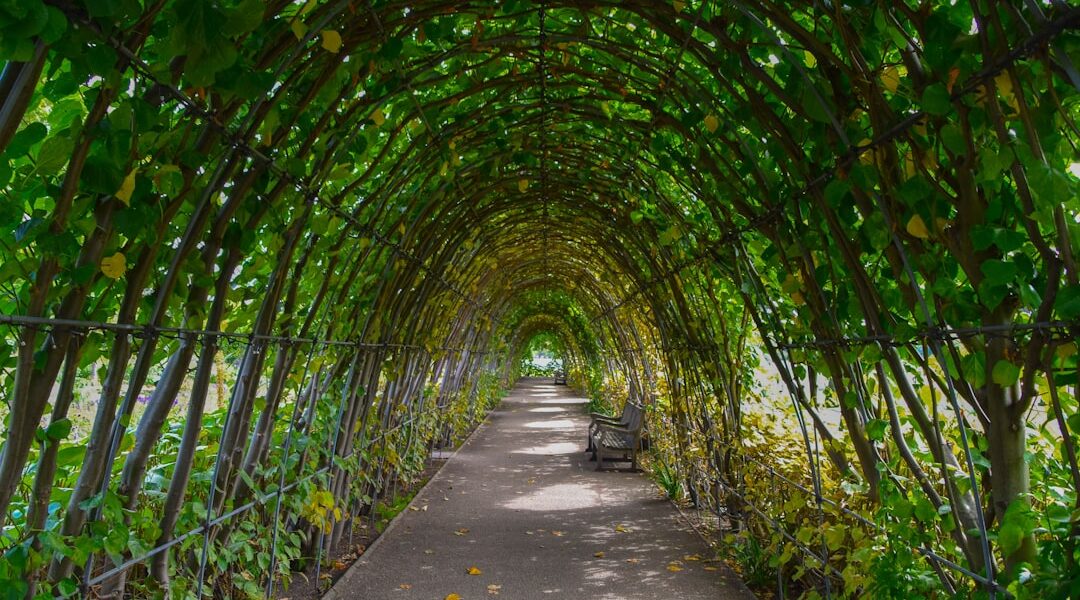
599, 455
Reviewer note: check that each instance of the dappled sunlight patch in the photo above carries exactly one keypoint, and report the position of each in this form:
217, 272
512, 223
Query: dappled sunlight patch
551, 449
566, 424
565, 401
563, 496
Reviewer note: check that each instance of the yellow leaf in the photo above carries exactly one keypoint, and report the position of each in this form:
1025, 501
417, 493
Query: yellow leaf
692, 557
473, 571
798, 299
462, 531
114, 266
1005, 87
378, 117
712, 568
598, 554
917, 228
298, 29
909, 166
674, 567
866, 158
126, 188
890, 78
711, 123
809, 59
405, 586
452, 597
621, 528
679, 5
331, 40
1066, 350
523, 184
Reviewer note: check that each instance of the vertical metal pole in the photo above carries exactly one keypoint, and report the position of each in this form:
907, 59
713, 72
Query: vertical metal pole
345, 393
281, 474
210, 495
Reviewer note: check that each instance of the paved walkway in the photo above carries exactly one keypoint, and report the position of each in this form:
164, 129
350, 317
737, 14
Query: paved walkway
522, 504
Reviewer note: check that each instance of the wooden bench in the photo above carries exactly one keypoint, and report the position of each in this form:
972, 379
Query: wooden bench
598, 418
560, 377
618, 441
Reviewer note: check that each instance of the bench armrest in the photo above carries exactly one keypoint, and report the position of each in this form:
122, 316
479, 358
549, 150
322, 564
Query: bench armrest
602, 417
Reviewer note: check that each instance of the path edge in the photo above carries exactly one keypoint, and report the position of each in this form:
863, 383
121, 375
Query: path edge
335, 592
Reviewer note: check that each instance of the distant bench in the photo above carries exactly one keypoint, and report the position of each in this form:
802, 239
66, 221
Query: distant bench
560, 377
616, 438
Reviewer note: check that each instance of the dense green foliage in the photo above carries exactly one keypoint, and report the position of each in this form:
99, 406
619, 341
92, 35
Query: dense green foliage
279, 249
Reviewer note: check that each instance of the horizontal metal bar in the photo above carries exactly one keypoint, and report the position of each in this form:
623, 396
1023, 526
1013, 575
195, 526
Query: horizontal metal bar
150, 330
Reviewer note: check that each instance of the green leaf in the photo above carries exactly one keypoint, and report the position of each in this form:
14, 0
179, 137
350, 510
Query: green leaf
1067, 303
54, 154
244, 18
1017, 523
924, 510
998, 272
1074, 423
1010, 537
27, 137
91, 502
1005, 373
391, 49
58, 430
953, 138
935, 99
875, 429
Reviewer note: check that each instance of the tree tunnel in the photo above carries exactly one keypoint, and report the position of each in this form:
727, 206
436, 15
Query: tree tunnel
259, 258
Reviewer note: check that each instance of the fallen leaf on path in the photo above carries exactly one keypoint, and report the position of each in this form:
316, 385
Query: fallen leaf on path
405, 586
633, 561
462, 531
558, 533
674, 567
452, 597
493, 589
711, 568
429, 552
528, 533
473, 571
598, 554
621, 529
692, 557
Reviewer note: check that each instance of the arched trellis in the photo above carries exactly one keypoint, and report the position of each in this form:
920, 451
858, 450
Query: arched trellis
347, 201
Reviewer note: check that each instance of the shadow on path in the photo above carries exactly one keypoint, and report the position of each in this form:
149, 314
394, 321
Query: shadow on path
521, 503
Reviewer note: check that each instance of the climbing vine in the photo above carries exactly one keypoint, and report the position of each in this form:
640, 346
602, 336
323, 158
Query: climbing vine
258, 258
